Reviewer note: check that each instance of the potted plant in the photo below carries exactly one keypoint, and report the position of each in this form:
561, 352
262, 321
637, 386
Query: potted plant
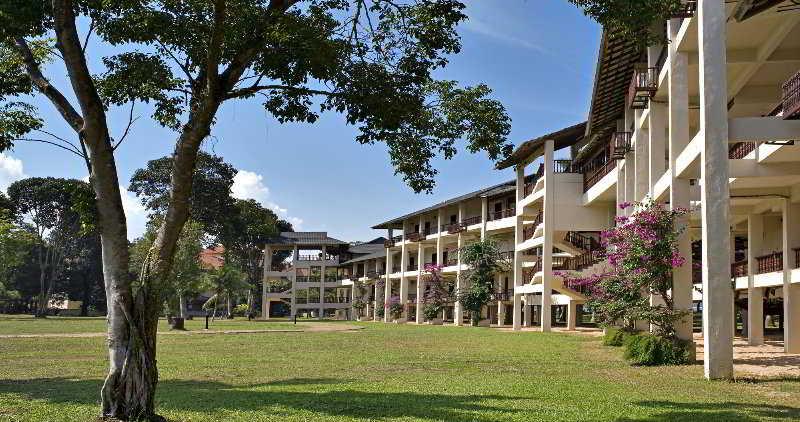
395, 308
433, 313
358, 307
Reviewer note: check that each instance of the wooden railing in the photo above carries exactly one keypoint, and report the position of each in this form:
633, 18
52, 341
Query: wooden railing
528, 231
453, 228
644, 85
739, 150
472, 220
739, 269
388, 243
412, 267
791, 97
414, 236
592, 177
620, 144
499, 215
770, 263
318, 257
797, 257
582, 241
503, 295
565, 166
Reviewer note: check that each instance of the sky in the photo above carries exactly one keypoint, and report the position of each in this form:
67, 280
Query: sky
538, 56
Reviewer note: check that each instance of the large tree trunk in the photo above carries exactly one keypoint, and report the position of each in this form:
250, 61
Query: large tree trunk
182, 305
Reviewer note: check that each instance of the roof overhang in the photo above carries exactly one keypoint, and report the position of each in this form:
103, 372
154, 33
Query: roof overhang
535, 147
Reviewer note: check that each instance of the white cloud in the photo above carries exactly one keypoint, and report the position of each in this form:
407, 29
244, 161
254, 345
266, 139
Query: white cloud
11, 170
250, 185
135, 213
481, 27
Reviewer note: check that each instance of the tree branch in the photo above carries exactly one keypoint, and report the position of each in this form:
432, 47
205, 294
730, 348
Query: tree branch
55, 144
244, 92
214, 50
44, 86
131, 120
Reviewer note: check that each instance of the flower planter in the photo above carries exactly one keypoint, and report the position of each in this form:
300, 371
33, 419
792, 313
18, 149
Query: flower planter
176, 323
484, 323
435, 321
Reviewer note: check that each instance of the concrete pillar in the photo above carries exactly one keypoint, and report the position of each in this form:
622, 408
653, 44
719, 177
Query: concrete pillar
264, 304
641, 153
439, 244
715, 191
420, 318
501, 313
791, 291
755, 295
387, 286
657, 143
484, 216
548, 219
322, 285
572, 315
458, 312
518, 238
527, 311
678, 120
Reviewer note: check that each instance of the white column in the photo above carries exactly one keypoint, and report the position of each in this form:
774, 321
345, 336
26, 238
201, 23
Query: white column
715, 191
439, 244
484, 216
420, 287
458, 312
658, 143
572, 315
682, 287
387, 287
548, 219
791, 291
264, 303
527, 311
642, 161
755, 295
403, 280
518, 238
322, 284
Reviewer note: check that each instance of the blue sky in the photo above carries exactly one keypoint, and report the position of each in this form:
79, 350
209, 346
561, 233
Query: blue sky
537, 55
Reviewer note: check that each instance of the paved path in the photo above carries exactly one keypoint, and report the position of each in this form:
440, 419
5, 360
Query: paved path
314, 327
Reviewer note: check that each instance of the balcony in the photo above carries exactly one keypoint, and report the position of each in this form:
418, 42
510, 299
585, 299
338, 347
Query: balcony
643, 87
316, 257
388, 243
531, 180
454, 228
739, 269
791, 98
472, 220
739, 150
620, 145
527, 232
770, 263
507, 255
414, 236
686, 10
591, 177
797, 257
499, 215
503, 295
565, 166
412, 267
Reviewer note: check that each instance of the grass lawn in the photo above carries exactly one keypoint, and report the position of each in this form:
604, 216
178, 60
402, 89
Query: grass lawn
26, 324
384, 372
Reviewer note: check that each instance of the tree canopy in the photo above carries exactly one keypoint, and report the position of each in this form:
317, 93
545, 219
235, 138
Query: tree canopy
634, 20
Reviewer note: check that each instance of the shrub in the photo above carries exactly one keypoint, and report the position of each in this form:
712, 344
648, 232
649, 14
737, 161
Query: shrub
380, 312
240, 310
432, 311
616, 337
396, 310
651, 350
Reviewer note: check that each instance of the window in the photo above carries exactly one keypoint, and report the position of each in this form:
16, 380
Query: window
498, 206
453, 219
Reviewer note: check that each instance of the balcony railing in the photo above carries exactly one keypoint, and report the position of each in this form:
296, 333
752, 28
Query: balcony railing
791, 97
452, 258
317, 257
507, 255
739, 269
412, 267
530, 184
565, 166
740, 150
528, 231
388, 243
770, 263
644, 85
620, 145
686, 10
592, 177
582, 241
797, 257
503, 295
472, 220
454, 228
414, 236
499, 215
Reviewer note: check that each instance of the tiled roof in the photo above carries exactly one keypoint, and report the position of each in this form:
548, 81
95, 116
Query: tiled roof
490, 191
563, 138
305, 238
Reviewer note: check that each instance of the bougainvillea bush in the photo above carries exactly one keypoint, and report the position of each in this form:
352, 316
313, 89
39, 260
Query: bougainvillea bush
642, 252
484, 260
394, 307
438, 292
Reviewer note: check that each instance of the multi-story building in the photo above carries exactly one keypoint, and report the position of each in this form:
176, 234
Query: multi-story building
706, 121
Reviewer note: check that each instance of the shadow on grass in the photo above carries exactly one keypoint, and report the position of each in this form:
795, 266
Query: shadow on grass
315, 397
724, 411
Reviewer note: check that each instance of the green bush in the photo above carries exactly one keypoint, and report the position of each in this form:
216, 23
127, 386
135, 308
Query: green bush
651, 350
616, 337
240, 310
432, 311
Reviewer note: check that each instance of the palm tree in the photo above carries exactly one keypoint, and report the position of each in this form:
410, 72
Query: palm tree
226, 282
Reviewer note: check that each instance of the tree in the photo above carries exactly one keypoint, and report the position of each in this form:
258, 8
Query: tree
53, 209
246, 233
83, 273
226, 282
15, 245
370, 60
210, 202
438, 292
484, 261
642, 252
186, 275
634, 20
